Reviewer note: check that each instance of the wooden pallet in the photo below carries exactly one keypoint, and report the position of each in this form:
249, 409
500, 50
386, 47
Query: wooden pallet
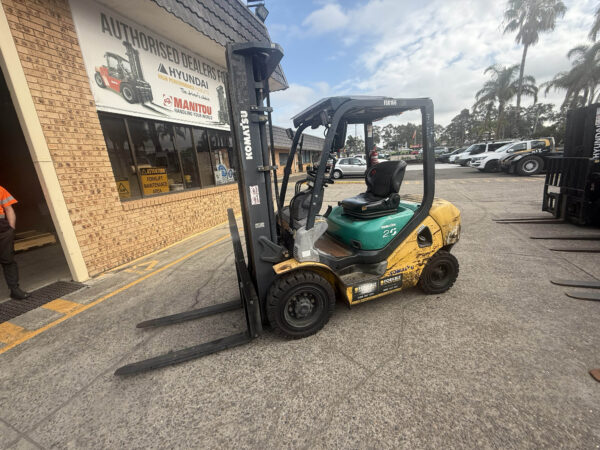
31, 239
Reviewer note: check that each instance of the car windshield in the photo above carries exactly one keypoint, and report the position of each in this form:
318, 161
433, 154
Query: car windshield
504, 147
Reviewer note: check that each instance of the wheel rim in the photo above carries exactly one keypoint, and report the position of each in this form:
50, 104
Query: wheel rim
336, 174
440, 274
99, 80
531, 166
303, 307
128, 94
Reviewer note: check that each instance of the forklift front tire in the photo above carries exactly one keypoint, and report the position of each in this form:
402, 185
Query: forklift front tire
99, 80
299, 304
440, 273
128, 93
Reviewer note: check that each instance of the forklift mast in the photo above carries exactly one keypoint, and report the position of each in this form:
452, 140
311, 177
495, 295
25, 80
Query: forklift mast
134, 61
250, 67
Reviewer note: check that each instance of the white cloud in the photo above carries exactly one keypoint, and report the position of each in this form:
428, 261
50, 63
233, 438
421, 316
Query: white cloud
439, 49
328, 18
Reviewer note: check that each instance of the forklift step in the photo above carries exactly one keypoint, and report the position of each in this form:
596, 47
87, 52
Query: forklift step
576, 250
583, 295
185, 354
191, 315
575, 237
577, 283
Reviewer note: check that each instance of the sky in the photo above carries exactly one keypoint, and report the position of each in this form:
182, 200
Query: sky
409, 48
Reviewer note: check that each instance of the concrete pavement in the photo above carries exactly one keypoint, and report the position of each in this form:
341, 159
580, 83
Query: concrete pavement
500, 360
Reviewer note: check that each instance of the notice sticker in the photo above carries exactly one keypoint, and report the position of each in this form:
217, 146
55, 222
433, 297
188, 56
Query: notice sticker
254, 195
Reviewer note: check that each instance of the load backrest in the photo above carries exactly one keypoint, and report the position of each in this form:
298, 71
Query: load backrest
385, 178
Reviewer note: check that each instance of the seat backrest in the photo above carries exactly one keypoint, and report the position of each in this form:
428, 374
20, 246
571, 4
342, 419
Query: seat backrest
385, 178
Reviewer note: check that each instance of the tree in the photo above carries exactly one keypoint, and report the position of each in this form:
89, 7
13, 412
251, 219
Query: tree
355, 145
529, 18
581, 81
595, 26
502, 88
376, 134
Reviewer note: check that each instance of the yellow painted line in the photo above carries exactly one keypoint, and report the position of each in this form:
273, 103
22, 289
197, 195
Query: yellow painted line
62, 306
31, 334
9, 332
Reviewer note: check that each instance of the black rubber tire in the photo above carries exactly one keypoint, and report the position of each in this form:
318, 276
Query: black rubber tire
530, 165
285, 290
128, 93
492, 166
99, 80
337, 174
430, 281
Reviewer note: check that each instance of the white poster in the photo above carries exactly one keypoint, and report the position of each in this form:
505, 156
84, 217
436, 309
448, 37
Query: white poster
136, 72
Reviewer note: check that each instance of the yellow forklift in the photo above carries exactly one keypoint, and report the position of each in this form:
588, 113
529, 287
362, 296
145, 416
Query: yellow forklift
300, 260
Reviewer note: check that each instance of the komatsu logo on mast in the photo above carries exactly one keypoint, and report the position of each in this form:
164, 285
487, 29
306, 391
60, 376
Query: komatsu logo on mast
246, 134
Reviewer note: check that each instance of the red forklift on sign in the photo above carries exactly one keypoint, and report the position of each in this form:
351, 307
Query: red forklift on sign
125, 76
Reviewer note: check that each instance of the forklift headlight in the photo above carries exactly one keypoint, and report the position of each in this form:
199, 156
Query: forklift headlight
367, 288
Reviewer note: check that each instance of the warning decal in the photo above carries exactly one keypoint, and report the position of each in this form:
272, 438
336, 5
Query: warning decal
254, 195
123, 188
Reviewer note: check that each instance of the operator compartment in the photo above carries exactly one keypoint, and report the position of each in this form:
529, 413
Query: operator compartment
369, 221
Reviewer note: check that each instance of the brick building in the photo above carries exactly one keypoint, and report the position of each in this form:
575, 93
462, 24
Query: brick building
115, 127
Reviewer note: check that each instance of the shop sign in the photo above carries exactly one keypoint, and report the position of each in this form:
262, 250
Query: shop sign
123, 188
134, 71
154, 180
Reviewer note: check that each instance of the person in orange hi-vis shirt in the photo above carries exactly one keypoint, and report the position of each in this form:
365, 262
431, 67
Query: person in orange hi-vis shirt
8, 221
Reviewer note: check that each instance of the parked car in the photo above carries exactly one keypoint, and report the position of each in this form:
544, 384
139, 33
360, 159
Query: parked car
490, 161
530, 160
475, 149
445, 157
349, 166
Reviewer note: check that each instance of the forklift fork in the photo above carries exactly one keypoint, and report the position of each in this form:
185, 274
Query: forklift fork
248, 301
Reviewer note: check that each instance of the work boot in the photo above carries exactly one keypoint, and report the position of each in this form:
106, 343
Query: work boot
18, 294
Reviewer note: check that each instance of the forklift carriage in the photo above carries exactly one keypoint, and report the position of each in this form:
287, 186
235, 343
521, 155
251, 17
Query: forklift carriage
299, 260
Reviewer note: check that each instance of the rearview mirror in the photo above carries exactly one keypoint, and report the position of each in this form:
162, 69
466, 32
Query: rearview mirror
290, 134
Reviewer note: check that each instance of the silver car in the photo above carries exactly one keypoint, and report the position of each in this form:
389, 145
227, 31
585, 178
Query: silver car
349, 166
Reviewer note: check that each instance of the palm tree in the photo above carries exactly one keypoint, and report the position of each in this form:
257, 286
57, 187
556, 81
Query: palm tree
503, 87
596, 26
530, 18
581, 81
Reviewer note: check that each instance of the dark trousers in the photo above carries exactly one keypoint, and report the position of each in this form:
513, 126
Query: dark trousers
7, 254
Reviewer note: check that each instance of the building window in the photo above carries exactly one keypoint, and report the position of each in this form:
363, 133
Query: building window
221, 151
207, 175
119, 153
189, 165
283, 157
150, 157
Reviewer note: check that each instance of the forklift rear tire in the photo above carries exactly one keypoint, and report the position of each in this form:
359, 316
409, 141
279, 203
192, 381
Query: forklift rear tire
299, 304
440, 273
99, 80
128, 93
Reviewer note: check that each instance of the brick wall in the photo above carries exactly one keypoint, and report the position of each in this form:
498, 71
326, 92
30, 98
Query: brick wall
109, 232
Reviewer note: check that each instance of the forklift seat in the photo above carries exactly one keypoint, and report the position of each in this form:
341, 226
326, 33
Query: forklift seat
382, 198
